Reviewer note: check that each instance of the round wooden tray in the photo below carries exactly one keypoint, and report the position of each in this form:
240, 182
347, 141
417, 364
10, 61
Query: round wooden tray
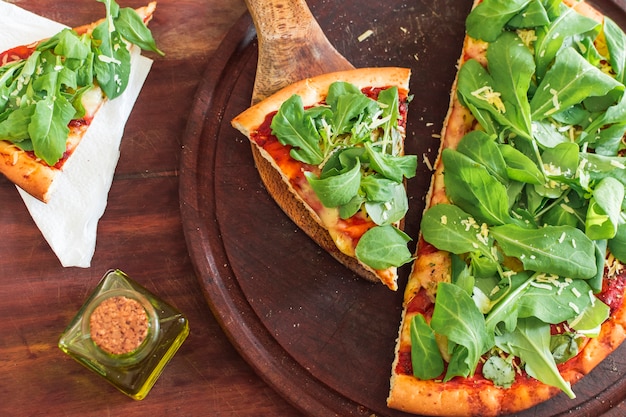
315, 332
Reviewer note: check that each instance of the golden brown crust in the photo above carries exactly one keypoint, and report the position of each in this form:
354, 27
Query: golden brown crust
410, 394
33, 175
313, 91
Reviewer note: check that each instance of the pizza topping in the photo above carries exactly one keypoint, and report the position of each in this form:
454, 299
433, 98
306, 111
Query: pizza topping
41, 89
351, 152
536, 196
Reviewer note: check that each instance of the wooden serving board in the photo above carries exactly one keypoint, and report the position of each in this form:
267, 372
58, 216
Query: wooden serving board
319, 335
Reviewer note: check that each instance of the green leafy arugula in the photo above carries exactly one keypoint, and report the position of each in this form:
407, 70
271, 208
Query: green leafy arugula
41, 94
355, 145
537, 194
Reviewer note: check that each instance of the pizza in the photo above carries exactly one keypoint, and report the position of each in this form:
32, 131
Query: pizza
336, 142
517, 289
51, 90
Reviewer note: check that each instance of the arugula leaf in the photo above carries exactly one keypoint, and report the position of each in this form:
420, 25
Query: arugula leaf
336, 190
535, 14
617, 245
470, 186
449, 228
483, 149
457, 317
512, 67
291, 127
487, 20
552, 300
616, 45
519, 167
386, 201
391, 166
604, 209
133, 29
551, 38
530, 341
425, 356
568, 82
48, 129
559, 250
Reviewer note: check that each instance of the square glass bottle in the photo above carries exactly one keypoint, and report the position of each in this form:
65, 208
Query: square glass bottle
125, 333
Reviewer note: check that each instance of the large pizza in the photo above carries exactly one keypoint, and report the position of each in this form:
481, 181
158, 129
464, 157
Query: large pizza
518, 284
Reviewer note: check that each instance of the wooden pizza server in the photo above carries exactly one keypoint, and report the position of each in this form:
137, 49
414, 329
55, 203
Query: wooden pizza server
292, 47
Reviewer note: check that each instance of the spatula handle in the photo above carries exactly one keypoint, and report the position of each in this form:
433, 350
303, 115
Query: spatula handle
292, 45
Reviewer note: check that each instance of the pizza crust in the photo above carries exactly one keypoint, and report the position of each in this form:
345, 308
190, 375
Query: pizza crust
313, 91
407, 393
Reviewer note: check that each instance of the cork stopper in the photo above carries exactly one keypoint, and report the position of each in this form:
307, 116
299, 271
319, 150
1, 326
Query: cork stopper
119, 325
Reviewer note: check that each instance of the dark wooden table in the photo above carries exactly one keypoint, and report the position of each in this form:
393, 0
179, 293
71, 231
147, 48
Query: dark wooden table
139, 233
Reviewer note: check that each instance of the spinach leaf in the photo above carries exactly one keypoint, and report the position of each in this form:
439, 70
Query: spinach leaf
530, 341
291, 127
382, 247
425, 356
559, 250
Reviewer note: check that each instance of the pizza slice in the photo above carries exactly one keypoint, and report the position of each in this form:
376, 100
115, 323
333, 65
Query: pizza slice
518, 285
336, 142
51, 90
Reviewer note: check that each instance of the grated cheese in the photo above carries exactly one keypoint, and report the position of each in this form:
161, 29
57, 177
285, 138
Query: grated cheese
427, 162
487, 94
365, 35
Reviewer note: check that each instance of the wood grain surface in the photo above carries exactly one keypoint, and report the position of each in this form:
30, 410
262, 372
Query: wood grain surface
139, 233
142, 233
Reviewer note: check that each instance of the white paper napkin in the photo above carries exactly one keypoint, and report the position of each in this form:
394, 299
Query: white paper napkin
69, 221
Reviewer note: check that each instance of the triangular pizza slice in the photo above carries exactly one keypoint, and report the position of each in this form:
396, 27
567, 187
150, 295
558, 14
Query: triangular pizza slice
51, 90
334, 145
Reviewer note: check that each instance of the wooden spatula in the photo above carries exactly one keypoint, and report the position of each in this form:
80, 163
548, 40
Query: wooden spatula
292, 47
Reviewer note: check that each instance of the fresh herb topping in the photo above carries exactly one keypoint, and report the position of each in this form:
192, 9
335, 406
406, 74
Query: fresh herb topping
537, 194
355, 145
41, 94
